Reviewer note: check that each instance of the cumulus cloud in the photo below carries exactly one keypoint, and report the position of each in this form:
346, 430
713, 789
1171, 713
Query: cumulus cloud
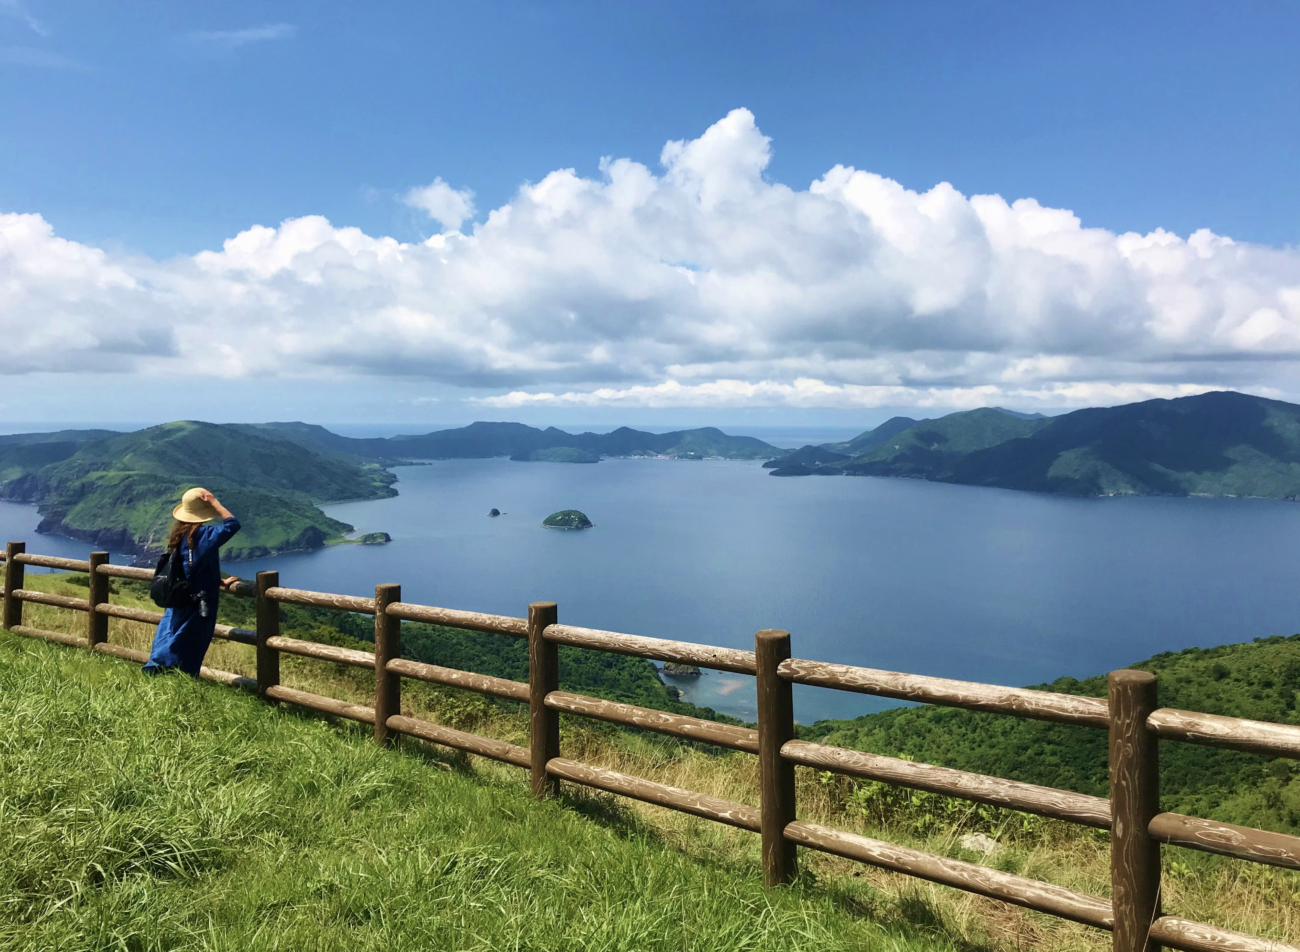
443, 203
701, 283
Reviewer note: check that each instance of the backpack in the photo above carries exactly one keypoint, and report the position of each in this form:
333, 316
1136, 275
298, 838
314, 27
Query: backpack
170, 588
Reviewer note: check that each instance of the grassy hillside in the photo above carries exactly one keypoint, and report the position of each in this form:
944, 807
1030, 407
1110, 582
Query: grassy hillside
118, 491
168, 814
1218, 444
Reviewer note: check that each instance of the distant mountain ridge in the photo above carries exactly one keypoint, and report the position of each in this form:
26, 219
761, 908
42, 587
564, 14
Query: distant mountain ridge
116, 490
517, 440
1221, 443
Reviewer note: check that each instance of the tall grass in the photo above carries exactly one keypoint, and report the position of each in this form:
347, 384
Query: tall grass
183, 815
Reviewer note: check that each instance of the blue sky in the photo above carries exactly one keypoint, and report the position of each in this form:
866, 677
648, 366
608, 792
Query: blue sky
137, 136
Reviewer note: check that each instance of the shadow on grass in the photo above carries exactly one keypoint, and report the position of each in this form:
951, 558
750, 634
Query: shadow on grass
910, 918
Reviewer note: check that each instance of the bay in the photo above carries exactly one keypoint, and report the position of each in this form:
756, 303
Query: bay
954, 581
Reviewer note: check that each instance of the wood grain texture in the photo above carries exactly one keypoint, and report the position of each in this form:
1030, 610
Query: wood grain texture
452, 618
343, 603
310, 649
241, 588
1243, 842
58, 637
123, 652
1020, 702
126, 571
242, 636
229, 679
647, 791
317, 702
54, 562
388, 645
58, 601
130, 614
460, 740
1198, 937
543, 679
11, 609
482, 683
97, 592
268, 627
1235, 733
677, 725
1030, 893
659, 649
776, 774
1134, 802
1012, 794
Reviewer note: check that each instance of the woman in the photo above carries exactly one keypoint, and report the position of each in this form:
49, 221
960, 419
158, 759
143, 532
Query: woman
185, 633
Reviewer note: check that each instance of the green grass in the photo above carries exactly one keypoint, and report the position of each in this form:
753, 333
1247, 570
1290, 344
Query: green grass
221, 812
143, 814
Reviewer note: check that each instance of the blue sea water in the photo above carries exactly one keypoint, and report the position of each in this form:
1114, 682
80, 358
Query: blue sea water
955, 581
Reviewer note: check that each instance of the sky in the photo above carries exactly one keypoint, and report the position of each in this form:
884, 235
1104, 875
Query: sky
759, 213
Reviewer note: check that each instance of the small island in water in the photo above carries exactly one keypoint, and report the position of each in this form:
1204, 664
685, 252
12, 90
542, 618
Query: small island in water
567, 519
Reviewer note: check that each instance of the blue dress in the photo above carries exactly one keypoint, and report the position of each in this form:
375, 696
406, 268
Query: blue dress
183, 634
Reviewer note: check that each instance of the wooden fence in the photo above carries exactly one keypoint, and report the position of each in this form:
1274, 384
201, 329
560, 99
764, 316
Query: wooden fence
1129, 713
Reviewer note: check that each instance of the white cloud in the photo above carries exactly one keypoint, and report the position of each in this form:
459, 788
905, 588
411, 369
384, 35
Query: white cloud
443, 203
236, 38
15, 9
809, 392
701, 284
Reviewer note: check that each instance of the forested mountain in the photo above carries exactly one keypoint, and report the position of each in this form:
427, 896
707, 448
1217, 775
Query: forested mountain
1215, 444
118, 491
522, 442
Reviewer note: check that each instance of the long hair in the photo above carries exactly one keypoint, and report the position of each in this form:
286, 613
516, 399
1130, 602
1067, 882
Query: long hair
181, 530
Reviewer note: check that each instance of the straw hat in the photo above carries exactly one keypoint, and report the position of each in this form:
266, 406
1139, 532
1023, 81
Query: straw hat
194, 508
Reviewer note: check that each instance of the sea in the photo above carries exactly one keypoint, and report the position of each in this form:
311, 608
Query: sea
955, 581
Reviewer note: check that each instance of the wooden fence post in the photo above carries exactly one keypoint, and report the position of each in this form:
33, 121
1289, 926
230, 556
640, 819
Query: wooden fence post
1134, 800
388, 645
543, 678
97, 624
268, 626
775, 727
14, 571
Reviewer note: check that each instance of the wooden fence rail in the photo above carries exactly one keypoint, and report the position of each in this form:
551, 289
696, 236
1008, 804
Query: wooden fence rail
1129, 714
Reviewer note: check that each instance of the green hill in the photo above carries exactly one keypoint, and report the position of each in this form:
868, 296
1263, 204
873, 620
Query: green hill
118, 491
871, 438
1259, 680
165, 813
1216, 444
525, 443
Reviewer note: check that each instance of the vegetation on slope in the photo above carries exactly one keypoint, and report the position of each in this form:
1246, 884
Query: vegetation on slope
1259, 680
163, 813
1217, 444
518, 441
118, 491
328, 899
567, 519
